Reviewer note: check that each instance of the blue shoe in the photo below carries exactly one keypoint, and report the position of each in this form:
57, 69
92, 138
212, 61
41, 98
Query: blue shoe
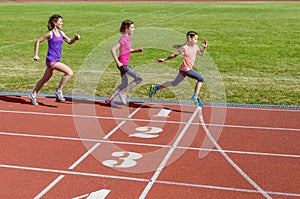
59, 95
199, 103
152, 91
111, 103
33, 99
123, 98
195, 97
196, 100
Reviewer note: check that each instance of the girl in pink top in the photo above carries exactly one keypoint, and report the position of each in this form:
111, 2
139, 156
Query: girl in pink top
124, 46
189, 51
55, 38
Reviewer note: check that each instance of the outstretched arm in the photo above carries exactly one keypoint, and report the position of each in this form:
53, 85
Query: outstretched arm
169, 57
137, 50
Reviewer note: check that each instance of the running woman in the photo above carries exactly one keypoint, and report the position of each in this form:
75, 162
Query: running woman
55, 38
189, 50
124, 47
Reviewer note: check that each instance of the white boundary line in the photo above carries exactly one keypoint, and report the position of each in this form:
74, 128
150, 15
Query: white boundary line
64, 172
78, 139
274, 79
144, 144
68, 172
59, 178
167, 157
203, 186
225, 188
52, 184
230, 161
143, 120
16, 44
76, 163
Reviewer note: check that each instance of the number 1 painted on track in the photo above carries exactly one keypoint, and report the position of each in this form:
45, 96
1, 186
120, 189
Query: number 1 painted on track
100, 194
163, 113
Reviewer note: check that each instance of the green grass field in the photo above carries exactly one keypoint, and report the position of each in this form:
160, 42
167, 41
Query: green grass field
253, 54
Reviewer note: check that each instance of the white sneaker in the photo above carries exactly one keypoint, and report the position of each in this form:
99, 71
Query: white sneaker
123, 98
33, 99
59, 95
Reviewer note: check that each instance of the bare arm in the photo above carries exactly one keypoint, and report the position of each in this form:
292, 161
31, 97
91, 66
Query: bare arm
169, 57
137, 50
203, 50
114, 54
68, 40
37, 45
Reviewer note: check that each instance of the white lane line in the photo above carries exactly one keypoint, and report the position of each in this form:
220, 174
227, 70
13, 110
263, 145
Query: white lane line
15, 44
69, 172
225, 188
139, 179
204, 149
145, 144
167, 157
254, 127
59, 178
167, 74
261, 108
114, 130
76, 163
84, 116
123, 122
146, 120
233, 164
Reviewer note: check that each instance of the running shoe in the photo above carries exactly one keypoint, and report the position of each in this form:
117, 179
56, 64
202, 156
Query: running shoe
33, 99
195, 97
199, 103
123, 98
196, 101
152, 91
59, 95
111, 103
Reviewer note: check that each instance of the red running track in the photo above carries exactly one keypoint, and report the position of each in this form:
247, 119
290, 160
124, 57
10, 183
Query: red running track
85, 149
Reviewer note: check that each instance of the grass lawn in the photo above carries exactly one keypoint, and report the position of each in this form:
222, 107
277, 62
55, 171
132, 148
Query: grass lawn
253, 54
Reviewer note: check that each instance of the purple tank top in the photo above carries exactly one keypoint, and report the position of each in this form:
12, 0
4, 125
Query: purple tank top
55, 47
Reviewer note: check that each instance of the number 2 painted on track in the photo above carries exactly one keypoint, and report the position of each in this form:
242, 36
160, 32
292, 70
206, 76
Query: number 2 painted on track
147, 132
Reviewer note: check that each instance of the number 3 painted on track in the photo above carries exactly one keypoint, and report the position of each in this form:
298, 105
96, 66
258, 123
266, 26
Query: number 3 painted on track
128, 159
147, 132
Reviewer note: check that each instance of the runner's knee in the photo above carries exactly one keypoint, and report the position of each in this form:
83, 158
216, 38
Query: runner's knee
138, 80
70, 73
174, 83
201, 79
